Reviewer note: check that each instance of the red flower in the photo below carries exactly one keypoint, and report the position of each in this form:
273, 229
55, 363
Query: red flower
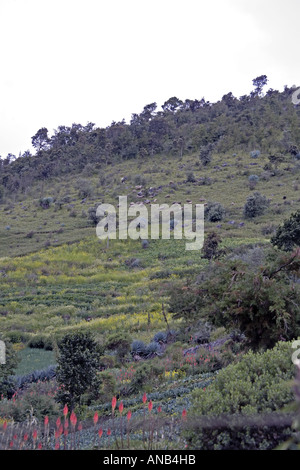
34, 434
159, 409
25, 437
184, 414
113, 403
108, 432
150, 406
128, 415
121, 407
100, 432
40, 445
95, 418
79, 427
73, 419
4, 426
144, 398
66, 424
58, 422
65, 411
56, 446
46, 421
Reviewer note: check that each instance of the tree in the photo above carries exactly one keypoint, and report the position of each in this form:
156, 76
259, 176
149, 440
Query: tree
288, 234
172, 104
40, 140
259, 83
78, 365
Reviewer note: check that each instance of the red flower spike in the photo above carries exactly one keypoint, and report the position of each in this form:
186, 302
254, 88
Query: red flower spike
113, 403
108, 432
46, 421
121, 407
65, 411
95, 418
40, 446
25, 438
58, 422
100, 432
150, 406
73, 419
79, 427
159, 409
4, 425
56, 446
144, 398
128, 415
34, 434
184, 414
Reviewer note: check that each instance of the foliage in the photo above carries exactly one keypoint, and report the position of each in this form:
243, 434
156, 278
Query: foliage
7, 369
261, 303
255, 205
258, 383
287, 235
214, 211
120, 342
78, 364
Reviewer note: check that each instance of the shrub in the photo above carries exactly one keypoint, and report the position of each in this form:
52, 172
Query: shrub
45, 202
120, 342
255, 154
258, 383
78, 364
287, 235
255, 205
138, 348
214, 212
262, 303
190, 177
210, 247
205, 154
84, 188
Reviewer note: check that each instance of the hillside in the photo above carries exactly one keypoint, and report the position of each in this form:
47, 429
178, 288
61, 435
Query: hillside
58, 278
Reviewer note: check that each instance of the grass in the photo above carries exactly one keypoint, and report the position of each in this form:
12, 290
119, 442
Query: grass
32, 359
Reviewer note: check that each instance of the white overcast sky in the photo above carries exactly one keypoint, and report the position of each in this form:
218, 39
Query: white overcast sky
66, 61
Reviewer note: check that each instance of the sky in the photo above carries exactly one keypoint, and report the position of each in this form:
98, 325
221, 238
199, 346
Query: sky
80, 61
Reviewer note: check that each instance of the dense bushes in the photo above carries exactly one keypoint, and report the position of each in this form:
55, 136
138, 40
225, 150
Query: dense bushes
258, 384
262, 303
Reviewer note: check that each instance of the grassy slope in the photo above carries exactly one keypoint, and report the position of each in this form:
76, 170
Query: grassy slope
77, 281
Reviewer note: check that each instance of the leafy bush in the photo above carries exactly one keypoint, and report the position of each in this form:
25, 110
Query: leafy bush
287, 235
45, 202
78, 364
214, 212
259, 383
255, 205
120, 342
255, 154
262, 303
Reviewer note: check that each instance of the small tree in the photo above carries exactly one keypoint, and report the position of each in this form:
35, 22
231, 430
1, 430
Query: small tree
210, 248
255, 205
288, 234
78, 365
